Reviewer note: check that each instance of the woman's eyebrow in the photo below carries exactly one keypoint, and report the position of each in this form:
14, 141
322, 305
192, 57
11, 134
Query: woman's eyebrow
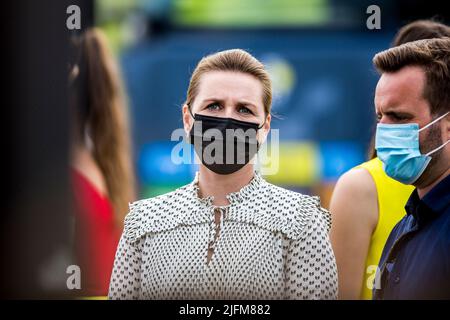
212, 100
240, 102
247, 104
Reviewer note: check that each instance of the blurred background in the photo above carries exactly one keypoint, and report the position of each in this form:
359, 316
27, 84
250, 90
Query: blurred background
319, 55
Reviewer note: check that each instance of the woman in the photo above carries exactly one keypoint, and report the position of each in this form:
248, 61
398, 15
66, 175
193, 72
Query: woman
101, 171
367, 204
229, 234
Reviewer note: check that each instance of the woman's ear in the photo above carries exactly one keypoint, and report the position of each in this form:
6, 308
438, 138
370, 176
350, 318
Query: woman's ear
187, 119
265, 129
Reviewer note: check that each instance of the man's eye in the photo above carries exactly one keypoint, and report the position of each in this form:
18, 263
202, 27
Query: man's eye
397, 117
213, 107
244, 110
378, 117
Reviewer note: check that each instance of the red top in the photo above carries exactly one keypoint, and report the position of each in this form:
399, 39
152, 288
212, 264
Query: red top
96, 236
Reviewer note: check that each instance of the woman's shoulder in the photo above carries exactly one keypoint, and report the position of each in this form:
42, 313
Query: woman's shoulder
157, 214
291, 212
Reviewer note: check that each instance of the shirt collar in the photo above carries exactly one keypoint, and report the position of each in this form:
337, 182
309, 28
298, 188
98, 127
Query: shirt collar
433, 204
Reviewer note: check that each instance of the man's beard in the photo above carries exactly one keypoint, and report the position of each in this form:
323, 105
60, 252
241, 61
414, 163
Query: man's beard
432, 141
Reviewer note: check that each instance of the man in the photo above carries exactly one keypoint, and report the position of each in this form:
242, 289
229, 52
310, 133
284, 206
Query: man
412, 102
359, 231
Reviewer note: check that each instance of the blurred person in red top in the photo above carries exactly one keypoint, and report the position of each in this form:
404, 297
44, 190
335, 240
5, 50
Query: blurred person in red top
101, 166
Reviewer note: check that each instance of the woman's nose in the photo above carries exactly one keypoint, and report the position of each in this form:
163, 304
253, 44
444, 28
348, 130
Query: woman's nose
229, 112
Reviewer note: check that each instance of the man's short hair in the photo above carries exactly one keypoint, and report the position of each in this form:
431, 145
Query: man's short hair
433, 56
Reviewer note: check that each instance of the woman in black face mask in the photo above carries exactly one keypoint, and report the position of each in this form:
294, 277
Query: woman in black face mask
229, 234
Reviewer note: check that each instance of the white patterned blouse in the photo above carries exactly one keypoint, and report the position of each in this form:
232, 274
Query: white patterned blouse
271, 243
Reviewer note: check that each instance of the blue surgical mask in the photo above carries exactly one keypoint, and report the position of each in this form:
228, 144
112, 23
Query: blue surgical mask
397, 147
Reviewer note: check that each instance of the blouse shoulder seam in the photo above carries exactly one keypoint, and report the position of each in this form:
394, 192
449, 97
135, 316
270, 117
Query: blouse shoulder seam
143, 218
294, 222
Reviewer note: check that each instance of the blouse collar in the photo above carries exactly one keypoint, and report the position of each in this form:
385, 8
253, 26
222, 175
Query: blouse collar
240, 196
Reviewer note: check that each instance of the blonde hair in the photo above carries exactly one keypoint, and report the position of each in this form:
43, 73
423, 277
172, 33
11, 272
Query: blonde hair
236, 60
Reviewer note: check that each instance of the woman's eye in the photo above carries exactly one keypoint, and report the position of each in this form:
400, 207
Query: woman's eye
213, 107
244, 110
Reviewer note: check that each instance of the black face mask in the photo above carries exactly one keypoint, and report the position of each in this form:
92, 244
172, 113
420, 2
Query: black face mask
224, 145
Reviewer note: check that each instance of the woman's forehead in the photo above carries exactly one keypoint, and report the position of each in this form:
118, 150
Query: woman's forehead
227, 85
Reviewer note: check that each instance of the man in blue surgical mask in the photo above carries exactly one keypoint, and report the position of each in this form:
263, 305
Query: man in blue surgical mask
412, 102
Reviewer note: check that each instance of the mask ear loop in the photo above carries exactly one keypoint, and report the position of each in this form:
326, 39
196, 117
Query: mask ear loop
434, 121
190, 111
430, 124
438, 148
188, 137
265, 119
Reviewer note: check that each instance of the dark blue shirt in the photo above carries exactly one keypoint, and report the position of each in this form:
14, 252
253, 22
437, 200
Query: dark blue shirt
415, 263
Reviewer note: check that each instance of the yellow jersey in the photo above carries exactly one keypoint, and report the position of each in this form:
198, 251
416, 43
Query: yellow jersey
392, 197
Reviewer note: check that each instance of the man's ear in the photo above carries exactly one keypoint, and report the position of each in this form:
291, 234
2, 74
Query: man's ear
187, 119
